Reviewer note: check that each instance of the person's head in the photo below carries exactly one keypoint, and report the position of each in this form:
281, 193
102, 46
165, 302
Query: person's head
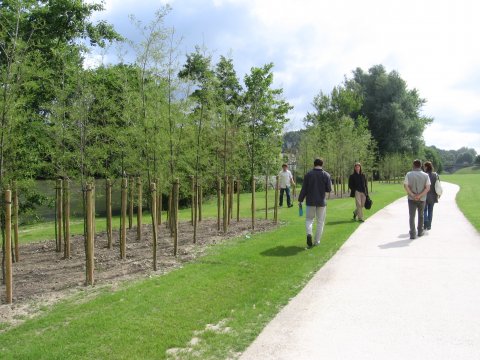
428, 166
284, 167
318, 162
417, 164
357, 168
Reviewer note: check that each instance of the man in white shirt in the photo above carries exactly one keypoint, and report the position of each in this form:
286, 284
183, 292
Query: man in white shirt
285, 179
417, 185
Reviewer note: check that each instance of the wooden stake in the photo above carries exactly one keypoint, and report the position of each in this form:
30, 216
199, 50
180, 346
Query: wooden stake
275, 211
94, 210
192, 199
8, 247
130, 204
108, 207
225, 204
195, 211
139, 209
230, 199
266, 197
159, 203
219, 201
59, 203
66, 219
15, 222
239, 185
123, 225
200, 200
253, 204
153, 191
90, 248
176, 187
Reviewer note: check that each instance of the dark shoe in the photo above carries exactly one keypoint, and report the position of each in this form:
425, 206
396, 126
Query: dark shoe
354, 216
290, 205
309, 240
429, 228
361, 220
420, 233
412, 237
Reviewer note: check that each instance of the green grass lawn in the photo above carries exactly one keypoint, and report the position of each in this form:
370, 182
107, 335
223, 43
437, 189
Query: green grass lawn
211, 308
468, 170
468, 197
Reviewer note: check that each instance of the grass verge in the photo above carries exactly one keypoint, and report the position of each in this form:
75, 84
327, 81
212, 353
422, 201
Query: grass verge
212, 308
468, 197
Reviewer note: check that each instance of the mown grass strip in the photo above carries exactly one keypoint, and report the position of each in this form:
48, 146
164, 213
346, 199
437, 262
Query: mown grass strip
468, 198
236, 288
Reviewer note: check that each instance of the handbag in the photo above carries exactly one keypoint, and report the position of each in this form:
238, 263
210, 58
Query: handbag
368, 203
438, 187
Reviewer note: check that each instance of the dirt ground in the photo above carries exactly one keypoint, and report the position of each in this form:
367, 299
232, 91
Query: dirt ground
42, 276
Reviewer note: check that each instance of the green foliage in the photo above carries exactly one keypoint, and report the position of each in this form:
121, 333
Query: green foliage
332, 134
393, 111
432, 155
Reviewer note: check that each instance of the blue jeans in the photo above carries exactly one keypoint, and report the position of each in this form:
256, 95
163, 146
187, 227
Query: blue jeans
428, 215
287, 191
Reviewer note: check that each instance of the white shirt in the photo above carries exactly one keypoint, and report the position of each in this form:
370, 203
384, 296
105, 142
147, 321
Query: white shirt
284, 179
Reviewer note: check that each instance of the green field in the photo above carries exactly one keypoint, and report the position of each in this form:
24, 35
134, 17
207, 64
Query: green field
468, 197
468, 170
236, 288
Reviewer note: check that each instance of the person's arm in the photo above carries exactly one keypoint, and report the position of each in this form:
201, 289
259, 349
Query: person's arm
303, 192
292, 182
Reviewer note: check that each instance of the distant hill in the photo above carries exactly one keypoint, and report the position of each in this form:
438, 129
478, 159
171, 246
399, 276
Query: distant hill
469, 170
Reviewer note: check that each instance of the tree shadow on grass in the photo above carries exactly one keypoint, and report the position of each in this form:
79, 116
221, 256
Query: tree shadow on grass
283, 251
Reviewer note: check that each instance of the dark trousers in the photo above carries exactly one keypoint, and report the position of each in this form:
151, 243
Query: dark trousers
428, 215
413, 207
287, 191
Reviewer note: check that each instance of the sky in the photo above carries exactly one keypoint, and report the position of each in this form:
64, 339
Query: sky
316, 44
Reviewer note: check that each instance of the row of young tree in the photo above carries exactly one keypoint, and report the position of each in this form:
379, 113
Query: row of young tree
159, 116
372, 118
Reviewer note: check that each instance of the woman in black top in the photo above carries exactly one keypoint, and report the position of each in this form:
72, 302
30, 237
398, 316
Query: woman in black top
358, 189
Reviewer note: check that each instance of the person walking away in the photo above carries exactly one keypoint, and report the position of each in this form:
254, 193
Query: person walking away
316, 184
285, 179
358, 186
432, 196
417, 185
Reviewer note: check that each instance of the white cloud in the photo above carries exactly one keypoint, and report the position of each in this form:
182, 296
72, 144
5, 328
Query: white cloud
314, 43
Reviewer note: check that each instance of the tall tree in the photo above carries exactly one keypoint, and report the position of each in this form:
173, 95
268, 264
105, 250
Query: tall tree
393, 111
264, 116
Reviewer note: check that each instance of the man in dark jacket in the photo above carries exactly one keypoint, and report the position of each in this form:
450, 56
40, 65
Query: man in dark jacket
316, 184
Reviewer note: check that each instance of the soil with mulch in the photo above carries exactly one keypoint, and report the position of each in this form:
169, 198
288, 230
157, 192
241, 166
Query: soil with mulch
43, 276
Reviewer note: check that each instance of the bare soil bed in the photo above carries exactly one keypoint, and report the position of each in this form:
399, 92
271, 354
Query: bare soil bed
43, 276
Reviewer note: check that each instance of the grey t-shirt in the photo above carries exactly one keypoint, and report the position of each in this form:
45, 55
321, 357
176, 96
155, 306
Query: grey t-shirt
417, 180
